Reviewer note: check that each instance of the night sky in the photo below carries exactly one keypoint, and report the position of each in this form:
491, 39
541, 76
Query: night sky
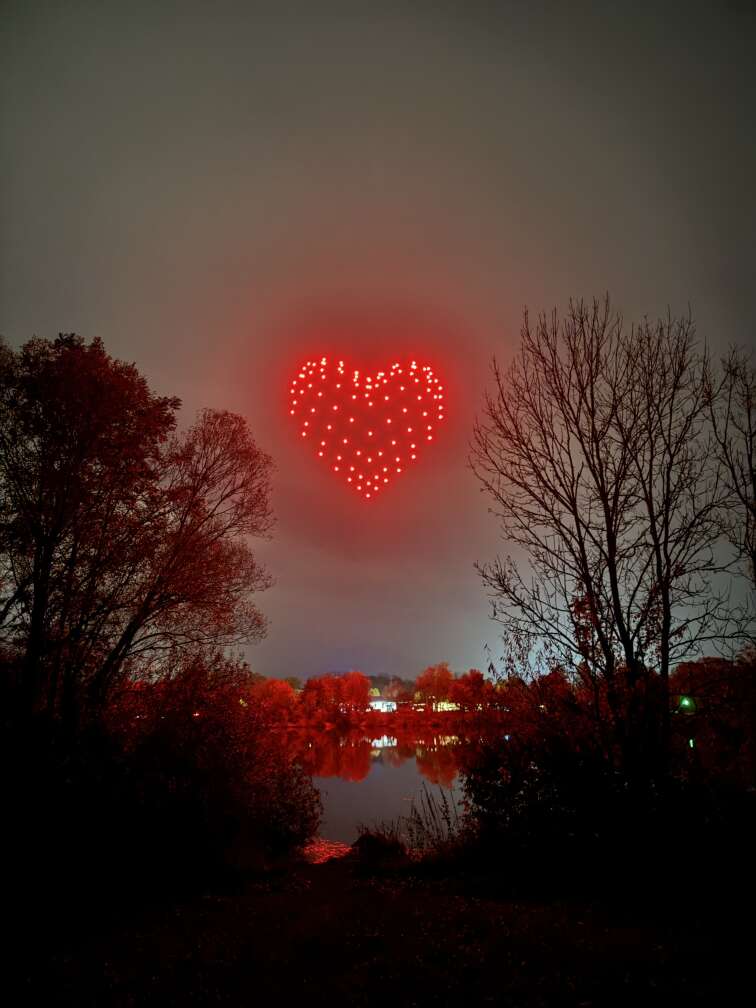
221, 191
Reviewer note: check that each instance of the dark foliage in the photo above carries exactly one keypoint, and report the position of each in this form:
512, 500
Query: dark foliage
177, 788
121, 543
132, 758
553, 813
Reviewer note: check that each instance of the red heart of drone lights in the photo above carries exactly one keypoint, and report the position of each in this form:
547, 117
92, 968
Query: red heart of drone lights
367, 428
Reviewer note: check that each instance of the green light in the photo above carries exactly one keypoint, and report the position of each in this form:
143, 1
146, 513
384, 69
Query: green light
686, 701
691, 743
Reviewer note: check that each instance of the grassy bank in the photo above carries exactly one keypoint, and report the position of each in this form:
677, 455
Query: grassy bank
339, 933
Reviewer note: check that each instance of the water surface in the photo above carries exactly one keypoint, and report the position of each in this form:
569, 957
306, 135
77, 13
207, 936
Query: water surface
364, 781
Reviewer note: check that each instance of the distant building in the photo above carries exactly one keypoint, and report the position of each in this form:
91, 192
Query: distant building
384, 706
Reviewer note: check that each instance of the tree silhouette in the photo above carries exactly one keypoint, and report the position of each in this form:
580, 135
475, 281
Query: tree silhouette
597, 452
121, 542
732, 404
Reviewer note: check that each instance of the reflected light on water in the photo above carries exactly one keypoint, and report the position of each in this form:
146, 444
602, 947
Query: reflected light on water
365, 780
384, 742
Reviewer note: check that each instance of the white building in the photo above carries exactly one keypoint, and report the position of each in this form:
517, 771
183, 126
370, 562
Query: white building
384, 706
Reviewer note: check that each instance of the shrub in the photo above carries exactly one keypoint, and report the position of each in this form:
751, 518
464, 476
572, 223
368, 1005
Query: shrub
179, 784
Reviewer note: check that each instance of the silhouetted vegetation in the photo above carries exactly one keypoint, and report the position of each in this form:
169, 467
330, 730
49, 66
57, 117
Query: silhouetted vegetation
622, 468
133, 754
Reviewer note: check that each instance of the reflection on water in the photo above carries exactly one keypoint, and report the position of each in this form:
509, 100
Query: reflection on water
366, 780
384, 742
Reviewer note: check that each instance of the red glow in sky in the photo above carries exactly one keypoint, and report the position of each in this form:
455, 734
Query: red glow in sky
367, 428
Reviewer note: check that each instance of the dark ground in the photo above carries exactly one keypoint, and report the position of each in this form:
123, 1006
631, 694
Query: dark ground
334, 934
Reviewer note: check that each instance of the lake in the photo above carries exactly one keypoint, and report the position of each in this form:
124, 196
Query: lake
363, 781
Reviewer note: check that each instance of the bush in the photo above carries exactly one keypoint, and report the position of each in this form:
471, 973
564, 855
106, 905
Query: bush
557, 820
380, 846
431, 833
180, 784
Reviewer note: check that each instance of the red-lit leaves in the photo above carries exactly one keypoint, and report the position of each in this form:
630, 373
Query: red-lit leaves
367, 428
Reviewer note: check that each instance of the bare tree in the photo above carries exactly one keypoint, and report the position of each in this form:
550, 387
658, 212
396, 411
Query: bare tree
732, 404
596, 450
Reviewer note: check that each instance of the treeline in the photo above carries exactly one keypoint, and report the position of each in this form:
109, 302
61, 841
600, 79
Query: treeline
713, 711
342, 698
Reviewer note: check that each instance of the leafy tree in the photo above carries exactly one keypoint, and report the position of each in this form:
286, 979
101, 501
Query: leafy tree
399, 689
321, 697
274, 699
472, 691
355, 691
434, 683
332, 696
122, 543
